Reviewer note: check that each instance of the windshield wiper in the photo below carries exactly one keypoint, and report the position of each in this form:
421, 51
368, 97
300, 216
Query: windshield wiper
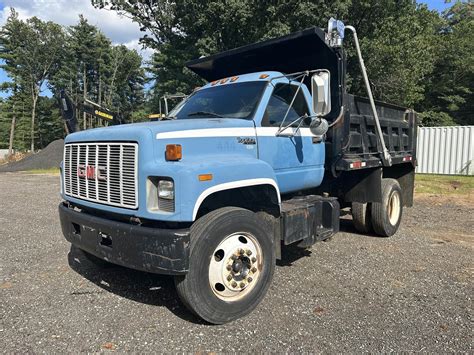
204, 113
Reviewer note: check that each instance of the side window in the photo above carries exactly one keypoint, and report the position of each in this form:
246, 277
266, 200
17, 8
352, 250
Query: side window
279, 103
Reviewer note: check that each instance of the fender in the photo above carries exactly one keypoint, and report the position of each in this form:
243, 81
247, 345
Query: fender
233, 185
233, 172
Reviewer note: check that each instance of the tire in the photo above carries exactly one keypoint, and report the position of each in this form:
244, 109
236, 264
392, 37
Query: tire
215, 288
361, 217
387, 215
95, 260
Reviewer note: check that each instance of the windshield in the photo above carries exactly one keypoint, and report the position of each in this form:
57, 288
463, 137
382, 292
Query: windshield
226, 101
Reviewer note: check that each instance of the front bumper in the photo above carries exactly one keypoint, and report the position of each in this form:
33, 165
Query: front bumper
161, 251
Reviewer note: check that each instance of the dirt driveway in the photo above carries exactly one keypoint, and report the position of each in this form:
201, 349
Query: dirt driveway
411, 292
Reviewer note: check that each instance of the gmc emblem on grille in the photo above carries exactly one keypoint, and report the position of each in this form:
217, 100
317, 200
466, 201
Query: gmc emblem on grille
90, 172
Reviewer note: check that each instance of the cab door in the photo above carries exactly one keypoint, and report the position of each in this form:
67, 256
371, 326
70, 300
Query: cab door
297, 158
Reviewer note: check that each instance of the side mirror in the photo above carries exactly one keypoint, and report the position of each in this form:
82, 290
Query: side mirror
321, 92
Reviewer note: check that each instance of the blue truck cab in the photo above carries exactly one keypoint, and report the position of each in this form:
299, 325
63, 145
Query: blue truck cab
253, 160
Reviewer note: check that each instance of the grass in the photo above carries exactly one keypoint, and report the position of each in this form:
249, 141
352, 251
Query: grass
444, 184
54, 171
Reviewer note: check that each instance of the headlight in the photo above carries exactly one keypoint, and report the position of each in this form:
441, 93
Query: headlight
166, 189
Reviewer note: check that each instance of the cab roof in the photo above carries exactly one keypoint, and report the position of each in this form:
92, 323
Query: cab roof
258, 76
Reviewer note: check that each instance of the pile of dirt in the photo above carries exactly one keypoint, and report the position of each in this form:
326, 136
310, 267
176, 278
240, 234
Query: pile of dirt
49, 157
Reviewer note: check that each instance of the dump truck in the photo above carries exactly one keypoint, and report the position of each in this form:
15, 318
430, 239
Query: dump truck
264, 156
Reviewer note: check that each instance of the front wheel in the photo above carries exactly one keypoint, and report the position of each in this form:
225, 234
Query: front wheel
231, 265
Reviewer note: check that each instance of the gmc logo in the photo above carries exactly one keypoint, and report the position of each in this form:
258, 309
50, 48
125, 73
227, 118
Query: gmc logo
90, 172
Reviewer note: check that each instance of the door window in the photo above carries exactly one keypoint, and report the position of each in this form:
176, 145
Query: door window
279, 103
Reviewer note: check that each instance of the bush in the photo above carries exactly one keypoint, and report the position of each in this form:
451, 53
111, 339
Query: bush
434, 118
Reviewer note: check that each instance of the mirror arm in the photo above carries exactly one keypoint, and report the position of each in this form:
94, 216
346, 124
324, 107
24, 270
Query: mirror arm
292, 101
339, 117
301, 118
281, 129
301, 122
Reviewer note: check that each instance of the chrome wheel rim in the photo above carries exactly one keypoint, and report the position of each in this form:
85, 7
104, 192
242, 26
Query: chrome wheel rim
235, 266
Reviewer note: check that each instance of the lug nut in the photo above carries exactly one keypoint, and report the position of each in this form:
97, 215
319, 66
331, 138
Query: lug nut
249, 279
254, 259
234, 284
242, 285
229, 267
234, 257
254, 269
229, 277
249, 252
241, 251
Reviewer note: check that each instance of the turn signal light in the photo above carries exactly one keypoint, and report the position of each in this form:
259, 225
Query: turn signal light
174, 152
205, 177
263, 76
234, 78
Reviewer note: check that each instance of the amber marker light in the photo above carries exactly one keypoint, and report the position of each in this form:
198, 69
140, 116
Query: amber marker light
263, 76
174, 152
214, 82
205, 177
223, 81
234, 78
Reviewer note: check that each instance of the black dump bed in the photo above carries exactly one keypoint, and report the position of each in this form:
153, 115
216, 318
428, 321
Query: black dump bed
353, 137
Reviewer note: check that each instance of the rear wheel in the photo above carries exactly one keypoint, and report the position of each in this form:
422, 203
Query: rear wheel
361, 217
387, 215
231, 265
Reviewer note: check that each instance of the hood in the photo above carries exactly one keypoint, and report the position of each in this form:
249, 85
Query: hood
126, 131
198, 137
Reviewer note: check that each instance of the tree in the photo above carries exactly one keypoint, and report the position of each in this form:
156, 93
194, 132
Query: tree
14, 113
32, 50
395, 35
4, 124
398, 42
96, 70
450, 94
6, 86
6, 43
88, 67
50, 125
126, 84
84, 47
184, 30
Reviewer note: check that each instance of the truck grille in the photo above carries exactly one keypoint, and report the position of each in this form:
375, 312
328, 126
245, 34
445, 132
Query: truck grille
102, 172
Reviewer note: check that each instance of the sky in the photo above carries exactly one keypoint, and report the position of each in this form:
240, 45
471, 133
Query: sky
120, 30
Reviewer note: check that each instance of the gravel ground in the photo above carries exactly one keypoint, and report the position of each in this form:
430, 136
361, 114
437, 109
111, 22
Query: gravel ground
354, 293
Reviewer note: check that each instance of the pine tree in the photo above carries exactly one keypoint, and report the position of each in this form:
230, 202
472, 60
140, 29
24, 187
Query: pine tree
32, 50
